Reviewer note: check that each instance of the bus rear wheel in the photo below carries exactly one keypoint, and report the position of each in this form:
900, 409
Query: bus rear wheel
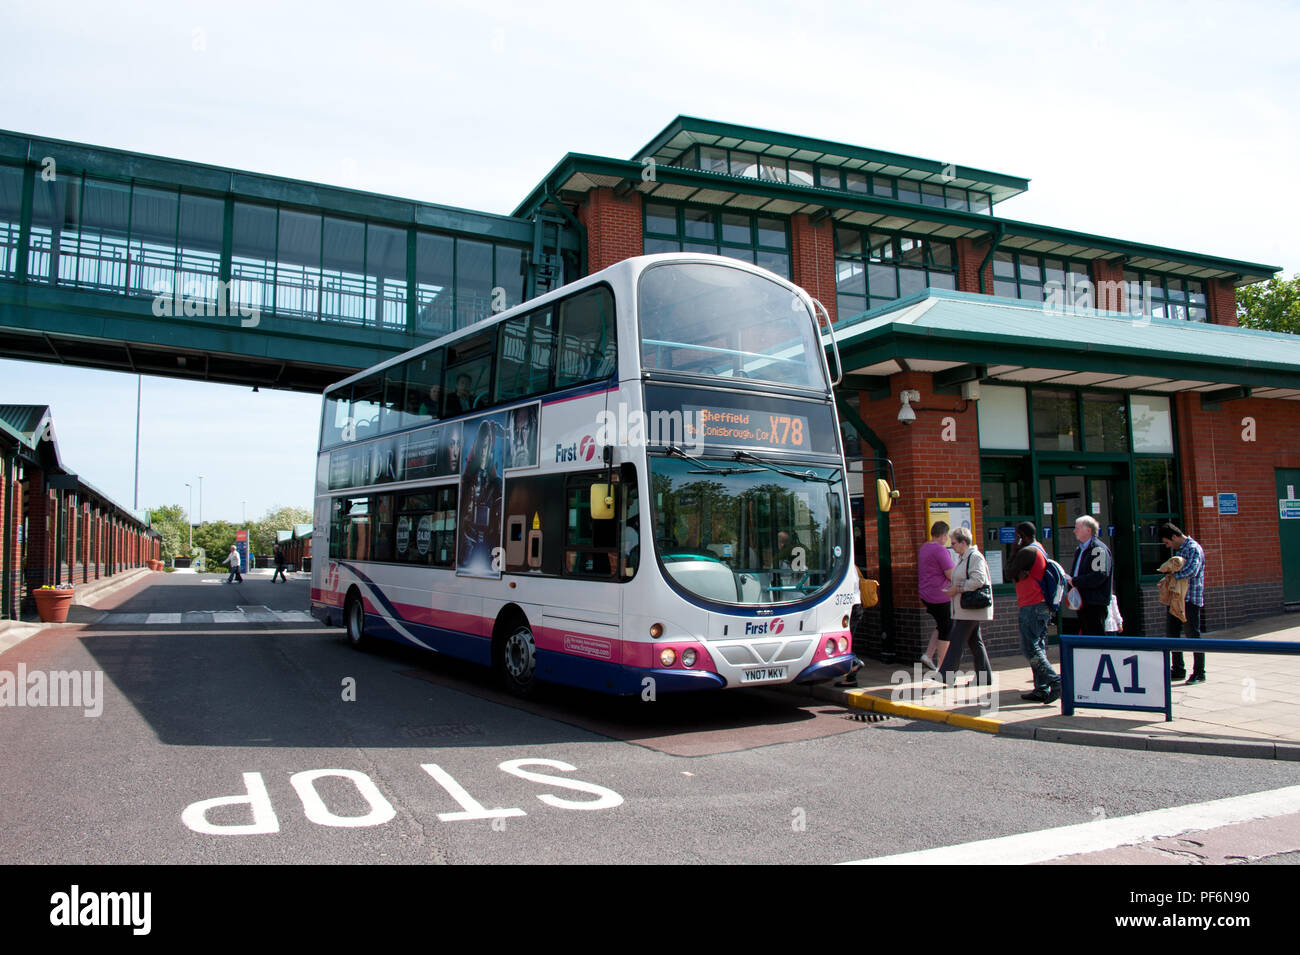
354, 622
517, 661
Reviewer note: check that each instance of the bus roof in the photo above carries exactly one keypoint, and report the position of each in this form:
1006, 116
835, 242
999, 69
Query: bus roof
636, 263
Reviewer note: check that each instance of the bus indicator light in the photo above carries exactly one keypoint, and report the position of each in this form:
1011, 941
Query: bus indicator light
656, 631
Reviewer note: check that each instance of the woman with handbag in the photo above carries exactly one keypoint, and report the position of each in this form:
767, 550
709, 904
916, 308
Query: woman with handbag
972, 604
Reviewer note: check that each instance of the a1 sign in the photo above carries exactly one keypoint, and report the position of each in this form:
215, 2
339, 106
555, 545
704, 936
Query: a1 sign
1120, 679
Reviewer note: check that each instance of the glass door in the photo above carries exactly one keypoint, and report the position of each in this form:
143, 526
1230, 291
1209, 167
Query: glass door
1069, 491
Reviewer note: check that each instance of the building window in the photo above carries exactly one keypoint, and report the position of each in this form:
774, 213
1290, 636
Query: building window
1157, 503
1036, 278
1006, 501
1165, 296
874, 268
733, 162
760, 240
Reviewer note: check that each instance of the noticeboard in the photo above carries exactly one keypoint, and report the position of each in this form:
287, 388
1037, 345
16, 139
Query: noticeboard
953, 511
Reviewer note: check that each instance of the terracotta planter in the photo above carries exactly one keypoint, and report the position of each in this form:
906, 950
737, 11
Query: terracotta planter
53, 605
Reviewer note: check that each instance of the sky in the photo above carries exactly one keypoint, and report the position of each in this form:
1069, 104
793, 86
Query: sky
1168, 123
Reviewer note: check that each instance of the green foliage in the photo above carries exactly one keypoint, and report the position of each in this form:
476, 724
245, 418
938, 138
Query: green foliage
169, 522
215, 537
262, 533
1273, 306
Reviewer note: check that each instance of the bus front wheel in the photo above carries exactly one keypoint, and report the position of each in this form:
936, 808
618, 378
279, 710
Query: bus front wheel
517, 661
354, 621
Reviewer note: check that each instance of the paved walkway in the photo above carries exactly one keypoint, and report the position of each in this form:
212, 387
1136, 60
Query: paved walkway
1249, 706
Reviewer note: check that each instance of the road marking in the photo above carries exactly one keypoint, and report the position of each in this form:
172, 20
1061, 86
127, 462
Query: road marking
1100, 834
260, 614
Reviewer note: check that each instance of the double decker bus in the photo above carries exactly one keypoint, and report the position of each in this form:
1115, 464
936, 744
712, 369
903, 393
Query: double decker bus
633, 481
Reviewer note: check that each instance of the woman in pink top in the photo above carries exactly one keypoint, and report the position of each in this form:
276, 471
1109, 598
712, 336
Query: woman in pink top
934, 565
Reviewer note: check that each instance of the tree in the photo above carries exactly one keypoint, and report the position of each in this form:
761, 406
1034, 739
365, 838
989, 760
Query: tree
215, 537
1273, 306
170, 523
262, 533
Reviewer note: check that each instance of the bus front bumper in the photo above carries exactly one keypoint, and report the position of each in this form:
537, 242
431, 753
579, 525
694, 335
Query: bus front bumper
826, 670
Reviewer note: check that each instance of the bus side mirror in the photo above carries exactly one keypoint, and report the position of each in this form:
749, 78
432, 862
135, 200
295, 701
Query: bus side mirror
602, 502
885, 496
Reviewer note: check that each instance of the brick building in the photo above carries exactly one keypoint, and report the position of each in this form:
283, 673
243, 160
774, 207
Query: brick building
1052, 373
57, 528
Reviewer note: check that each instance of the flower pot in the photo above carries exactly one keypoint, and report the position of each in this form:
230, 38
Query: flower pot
53, 605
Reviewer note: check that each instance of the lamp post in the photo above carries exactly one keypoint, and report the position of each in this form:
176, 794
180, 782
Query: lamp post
200, 500
189, 512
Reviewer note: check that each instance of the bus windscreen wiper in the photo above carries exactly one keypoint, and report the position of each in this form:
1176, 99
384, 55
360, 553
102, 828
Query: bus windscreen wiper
786, 472
704, 467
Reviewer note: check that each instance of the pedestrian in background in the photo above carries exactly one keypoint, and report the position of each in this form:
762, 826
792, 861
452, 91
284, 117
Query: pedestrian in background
1027, 566
1193, 571
1092, 576
232, 559
934, 565
972, 603
279, 565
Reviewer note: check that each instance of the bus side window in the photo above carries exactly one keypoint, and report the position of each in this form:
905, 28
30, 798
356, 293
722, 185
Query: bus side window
587, 349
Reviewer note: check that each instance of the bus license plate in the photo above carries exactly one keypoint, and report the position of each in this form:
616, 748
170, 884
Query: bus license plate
763, 674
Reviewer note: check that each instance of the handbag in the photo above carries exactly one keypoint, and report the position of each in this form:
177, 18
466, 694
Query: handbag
976, 599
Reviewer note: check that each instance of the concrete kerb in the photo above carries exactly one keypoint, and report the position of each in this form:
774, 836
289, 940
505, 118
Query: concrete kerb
93, 590
1203, 746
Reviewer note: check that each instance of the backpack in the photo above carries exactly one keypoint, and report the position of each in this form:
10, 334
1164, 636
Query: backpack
1053, 582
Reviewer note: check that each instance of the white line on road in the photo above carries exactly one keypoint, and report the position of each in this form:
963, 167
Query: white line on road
1029, 847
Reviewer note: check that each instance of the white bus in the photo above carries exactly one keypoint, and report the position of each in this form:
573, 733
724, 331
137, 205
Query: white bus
634, 481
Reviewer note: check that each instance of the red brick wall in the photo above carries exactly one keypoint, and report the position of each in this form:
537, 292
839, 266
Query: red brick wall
1106, 294
613, 227
970, 254
1222, 300
1244, 548
812, 259
924, 466
40, 512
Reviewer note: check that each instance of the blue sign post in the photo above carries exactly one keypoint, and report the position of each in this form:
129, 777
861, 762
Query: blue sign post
241, 548
1228, 503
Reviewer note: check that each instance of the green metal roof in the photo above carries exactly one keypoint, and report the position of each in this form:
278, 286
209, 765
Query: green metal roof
1025, 342
576, 174
23, 422
686, 131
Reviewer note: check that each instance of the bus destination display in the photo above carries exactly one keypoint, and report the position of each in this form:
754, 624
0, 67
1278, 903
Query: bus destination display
750, 427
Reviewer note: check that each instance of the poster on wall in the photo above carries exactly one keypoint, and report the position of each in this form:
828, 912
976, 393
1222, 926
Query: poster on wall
953, 511
521, 426
481, 491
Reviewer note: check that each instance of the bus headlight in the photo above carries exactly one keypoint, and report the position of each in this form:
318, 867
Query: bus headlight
830, 647
667, 656
844, 644
688, 657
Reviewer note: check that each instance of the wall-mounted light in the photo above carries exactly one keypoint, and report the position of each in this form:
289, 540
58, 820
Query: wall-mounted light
905, 414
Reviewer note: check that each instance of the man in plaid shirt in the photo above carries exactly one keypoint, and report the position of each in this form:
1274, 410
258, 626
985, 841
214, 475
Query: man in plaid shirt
1194, 573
